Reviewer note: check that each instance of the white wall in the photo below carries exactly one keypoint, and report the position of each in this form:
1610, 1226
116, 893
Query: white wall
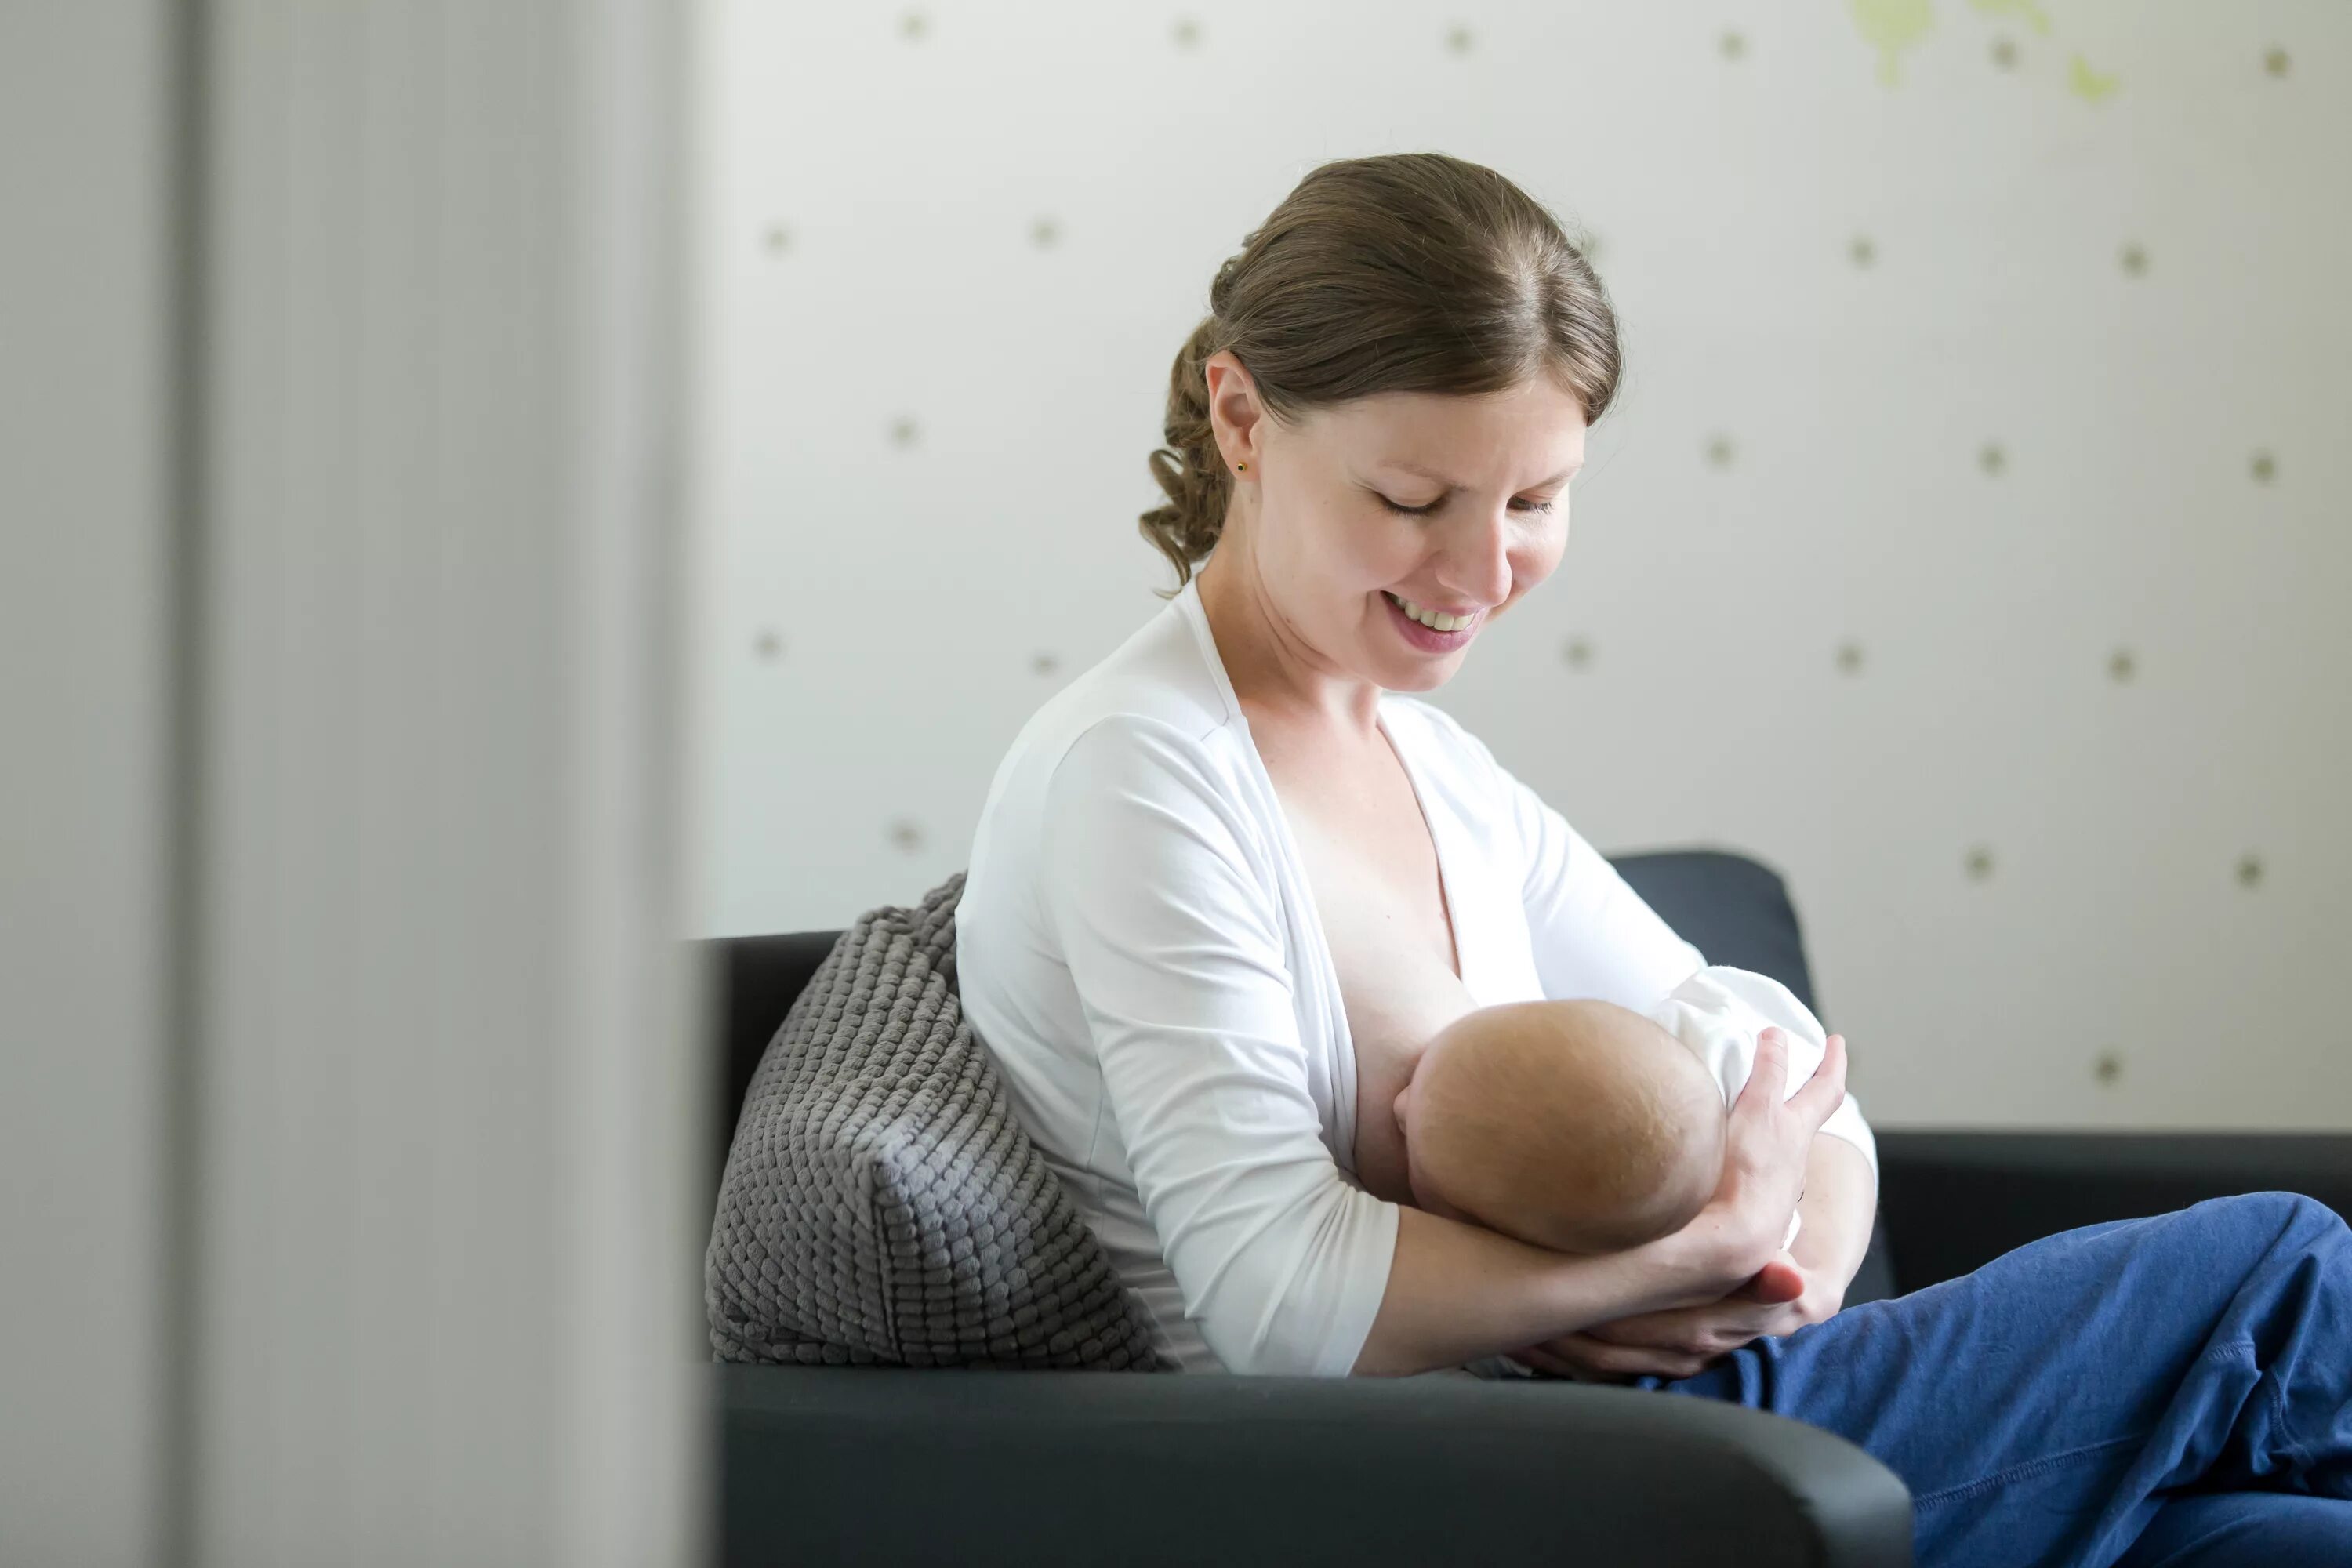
2124, 275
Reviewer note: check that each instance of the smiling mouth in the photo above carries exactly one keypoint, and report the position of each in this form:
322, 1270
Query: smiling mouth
1443, 624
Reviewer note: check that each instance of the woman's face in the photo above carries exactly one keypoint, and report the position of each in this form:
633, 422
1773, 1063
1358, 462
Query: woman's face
1451, 505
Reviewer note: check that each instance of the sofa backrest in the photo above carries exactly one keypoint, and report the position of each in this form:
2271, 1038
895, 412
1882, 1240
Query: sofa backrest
1733, 908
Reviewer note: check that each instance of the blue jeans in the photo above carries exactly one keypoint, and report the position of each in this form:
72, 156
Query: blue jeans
2149, 1393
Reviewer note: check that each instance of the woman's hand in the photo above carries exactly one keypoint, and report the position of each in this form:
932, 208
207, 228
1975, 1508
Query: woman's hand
1768, 1142
1782, 1297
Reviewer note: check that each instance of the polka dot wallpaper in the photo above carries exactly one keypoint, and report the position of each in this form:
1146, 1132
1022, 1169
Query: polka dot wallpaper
1971, 541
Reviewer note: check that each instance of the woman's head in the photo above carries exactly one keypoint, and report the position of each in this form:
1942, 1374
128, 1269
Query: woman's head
1394, 314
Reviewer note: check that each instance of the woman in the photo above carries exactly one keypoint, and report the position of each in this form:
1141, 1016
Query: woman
1228, 880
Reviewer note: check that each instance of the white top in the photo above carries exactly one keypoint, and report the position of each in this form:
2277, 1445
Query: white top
1138, 945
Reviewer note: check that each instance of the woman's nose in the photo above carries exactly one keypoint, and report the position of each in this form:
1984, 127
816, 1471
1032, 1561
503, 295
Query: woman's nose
1477, 563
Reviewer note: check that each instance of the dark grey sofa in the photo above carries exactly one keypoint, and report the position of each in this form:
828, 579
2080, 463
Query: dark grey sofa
842, 1465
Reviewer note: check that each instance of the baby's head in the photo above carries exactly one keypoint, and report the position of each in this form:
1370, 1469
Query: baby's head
1580, 1126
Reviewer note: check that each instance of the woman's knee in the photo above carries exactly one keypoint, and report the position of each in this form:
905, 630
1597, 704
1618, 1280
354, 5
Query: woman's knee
2287, 1213
2267, 1222
2257, 1222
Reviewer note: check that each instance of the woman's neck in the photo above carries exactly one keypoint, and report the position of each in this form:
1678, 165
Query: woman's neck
1274, 673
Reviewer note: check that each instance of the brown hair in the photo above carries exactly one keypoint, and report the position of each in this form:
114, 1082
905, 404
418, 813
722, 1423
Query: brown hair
1409, 272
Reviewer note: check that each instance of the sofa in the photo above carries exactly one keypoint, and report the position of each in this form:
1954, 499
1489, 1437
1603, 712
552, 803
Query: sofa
819, 1465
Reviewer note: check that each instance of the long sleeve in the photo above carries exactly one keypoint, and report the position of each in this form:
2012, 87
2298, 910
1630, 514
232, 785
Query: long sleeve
1173, 942
1592, 933
1594, 936
1719, 1011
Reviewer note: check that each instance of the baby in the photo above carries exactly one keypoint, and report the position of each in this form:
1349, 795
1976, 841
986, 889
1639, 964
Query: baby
1586, 1127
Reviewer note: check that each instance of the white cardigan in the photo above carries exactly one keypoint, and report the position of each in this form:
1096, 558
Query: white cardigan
1137, 944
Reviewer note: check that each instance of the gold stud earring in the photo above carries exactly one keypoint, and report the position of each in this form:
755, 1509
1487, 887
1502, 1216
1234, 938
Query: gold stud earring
1243, 467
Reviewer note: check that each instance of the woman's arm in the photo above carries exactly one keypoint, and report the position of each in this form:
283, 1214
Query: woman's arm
1840, 1201
1721, 1013
1456, 1292
1592, 934
1154, 893
1158, 905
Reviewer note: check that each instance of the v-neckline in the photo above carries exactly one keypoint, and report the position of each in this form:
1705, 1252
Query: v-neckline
1198, 614
1436, 841
1345, 1082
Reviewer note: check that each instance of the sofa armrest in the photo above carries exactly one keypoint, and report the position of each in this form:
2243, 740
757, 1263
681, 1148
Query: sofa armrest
835, 1464
1954, 1201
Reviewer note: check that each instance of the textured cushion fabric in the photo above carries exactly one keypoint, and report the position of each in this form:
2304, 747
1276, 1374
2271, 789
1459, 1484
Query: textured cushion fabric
881, 1204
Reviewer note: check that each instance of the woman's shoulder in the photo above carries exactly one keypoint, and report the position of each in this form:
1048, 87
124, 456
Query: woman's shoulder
1148, 724
1155, 686
1140, 755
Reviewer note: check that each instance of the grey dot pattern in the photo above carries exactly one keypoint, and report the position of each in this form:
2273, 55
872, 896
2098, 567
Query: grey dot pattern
881, 1205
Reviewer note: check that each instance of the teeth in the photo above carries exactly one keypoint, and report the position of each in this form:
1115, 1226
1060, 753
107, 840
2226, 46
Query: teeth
1436, 623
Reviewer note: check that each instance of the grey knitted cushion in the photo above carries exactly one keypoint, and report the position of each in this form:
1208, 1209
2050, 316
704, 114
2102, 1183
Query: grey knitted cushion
881, 1204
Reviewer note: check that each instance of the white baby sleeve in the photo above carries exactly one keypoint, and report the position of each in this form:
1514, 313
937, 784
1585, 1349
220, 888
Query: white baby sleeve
1719, 1011
1174, 946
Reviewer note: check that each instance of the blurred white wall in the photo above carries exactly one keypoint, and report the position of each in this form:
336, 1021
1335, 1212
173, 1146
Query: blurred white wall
1969, 543
85, 639
355, 1081
450, 1091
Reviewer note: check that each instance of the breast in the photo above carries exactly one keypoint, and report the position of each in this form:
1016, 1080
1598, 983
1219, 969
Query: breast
1391, 955
1394, 1006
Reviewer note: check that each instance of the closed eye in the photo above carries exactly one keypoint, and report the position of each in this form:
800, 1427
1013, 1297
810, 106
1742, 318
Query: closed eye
1432, 506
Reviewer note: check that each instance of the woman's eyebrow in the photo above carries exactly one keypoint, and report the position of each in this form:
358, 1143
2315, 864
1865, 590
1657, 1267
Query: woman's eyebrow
1427, 474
